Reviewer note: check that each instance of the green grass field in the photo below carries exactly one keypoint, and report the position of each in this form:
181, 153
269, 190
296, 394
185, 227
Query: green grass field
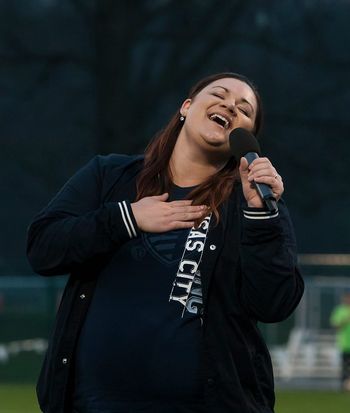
21, 399
16, 398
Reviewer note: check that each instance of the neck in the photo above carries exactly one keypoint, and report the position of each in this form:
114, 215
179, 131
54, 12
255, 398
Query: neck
189, 166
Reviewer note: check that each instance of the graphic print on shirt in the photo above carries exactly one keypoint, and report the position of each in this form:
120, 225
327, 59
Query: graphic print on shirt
163, 246
187, 287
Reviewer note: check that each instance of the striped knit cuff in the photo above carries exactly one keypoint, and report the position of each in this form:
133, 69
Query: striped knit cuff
128, 218
259, 214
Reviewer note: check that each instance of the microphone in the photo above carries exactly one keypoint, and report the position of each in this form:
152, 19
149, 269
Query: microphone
243, 143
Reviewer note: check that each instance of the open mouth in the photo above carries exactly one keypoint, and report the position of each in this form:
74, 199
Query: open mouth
221, 120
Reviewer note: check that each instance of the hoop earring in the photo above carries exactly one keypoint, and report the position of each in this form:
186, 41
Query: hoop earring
182, 118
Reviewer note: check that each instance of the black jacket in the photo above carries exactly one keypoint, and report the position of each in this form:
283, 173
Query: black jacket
248, 271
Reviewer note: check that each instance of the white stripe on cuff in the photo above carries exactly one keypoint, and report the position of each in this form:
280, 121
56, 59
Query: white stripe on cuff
127, 220
260, 214
257, 212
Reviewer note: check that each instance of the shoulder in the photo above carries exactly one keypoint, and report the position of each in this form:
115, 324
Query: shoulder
115, 160
105, 170
113, 169
113, 164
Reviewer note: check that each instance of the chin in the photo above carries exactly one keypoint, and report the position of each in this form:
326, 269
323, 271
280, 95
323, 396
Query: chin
215, 144
215, 141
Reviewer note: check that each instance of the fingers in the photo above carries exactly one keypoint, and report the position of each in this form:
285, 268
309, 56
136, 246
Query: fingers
243, 166
187, 216
261, 170
155, 214
162, 197
256, 174
182, 210
261, 160
275, 183
183, 202
182, 220
188, 209
181, 215
269, 180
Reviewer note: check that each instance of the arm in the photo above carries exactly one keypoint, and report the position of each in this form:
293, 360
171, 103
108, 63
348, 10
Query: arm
75, 227
271, 282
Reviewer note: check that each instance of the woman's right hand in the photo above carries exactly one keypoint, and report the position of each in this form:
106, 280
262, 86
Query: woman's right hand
154, 214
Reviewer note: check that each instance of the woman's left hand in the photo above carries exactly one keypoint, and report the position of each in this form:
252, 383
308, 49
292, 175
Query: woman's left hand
261, 171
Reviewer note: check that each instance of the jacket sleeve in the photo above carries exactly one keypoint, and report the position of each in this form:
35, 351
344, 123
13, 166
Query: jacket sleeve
76, 227
272, 285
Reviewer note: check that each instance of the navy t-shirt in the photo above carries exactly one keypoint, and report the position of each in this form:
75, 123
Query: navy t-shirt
136, 353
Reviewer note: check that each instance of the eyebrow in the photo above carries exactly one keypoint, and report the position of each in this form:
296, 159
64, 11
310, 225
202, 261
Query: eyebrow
243, 99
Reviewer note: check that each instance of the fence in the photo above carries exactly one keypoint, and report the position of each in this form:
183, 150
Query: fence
302, 347
27, 309
310, 357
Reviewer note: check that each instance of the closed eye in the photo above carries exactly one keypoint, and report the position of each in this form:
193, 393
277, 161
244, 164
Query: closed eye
245, 112
217, 95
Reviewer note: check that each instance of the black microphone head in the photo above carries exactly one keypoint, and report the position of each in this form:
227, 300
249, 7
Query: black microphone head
242, 142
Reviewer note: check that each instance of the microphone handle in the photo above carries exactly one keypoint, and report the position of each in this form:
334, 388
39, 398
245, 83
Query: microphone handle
264, 190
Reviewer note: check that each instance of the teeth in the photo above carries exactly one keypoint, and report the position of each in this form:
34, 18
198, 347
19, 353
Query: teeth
216, 115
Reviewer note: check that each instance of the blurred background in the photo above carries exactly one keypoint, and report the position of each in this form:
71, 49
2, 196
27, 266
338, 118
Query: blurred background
86, 77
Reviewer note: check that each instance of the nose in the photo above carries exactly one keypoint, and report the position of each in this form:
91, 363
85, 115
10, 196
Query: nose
231, 106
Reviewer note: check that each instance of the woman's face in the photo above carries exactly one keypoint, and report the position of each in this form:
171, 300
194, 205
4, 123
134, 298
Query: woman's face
220, 107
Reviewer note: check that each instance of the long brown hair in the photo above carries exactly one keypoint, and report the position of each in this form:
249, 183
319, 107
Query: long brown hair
155, 176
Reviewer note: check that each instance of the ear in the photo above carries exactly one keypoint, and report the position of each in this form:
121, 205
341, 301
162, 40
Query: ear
185, 106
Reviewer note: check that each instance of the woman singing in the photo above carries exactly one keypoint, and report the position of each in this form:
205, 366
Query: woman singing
173, 259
